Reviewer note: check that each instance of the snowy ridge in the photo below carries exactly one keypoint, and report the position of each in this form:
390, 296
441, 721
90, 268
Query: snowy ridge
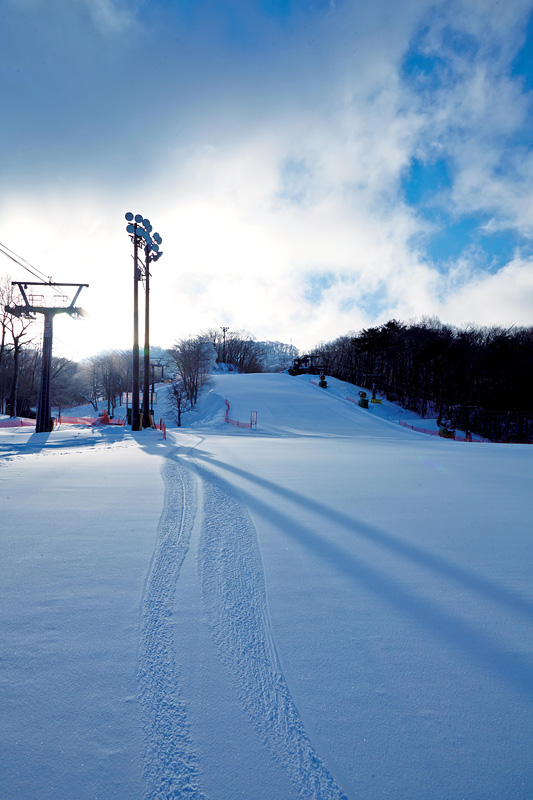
233, 589
170, 763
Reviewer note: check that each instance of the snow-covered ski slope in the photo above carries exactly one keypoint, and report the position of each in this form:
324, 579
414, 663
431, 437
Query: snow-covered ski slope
296, 406
326, 606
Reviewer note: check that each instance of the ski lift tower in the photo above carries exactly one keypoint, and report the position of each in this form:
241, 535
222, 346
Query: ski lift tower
35, 304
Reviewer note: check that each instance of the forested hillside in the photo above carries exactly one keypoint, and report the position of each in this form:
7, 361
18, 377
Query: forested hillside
479, 379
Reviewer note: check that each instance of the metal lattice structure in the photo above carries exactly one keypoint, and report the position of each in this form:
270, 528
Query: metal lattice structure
35, 304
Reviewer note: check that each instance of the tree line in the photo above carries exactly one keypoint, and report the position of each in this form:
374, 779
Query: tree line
195, 358
103, 378
478, 379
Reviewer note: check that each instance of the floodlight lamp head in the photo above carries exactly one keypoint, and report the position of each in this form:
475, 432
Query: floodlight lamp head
129, 216
138, 218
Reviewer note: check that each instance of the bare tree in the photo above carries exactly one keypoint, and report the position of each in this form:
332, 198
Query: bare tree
20, 335
29, 380
277, 356
110, 371
5, 299
63, 383
6, 293
178, 401
88, 383
238, 348
193, 359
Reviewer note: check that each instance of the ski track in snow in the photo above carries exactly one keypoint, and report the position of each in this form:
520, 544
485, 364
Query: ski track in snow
170, 763
234, 594
233, 590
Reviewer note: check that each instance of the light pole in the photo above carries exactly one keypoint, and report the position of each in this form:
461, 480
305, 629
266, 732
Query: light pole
140, 231
224, 330
151, 253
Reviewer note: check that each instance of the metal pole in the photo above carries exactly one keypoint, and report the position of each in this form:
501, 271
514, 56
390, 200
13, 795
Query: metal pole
146, 381
135, 416
43, 424
224, 329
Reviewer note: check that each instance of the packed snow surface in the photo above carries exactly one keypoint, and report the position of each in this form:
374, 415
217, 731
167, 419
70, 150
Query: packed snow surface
324, 606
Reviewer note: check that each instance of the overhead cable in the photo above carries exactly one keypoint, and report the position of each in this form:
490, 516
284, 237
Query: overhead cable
23, 263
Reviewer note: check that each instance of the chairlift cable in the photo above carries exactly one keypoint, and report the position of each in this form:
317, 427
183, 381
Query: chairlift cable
27, 266
37, 272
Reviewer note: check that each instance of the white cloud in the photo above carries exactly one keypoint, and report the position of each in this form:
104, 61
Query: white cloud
247, 242
504, 298
480, 113
111, 16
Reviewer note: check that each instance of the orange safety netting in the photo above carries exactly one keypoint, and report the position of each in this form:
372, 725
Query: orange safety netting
459, 437
17, 423
90, 421
235, 422
161, 427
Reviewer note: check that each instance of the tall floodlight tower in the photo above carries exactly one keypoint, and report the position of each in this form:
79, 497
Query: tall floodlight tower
224, 330
140, 234
29, 309
151, 253
134, 229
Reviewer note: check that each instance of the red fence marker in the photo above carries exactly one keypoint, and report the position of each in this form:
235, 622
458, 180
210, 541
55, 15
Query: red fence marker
236, 422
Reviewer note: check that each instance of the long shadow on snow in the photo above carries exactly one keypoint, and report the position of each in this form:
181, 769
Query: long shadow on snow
34, 444
170, 760
375, 535
233, 591
514, 668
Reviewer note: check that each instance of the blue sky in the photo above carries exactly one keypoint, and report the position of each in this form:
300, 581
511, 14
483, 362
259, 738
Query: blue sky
313, 167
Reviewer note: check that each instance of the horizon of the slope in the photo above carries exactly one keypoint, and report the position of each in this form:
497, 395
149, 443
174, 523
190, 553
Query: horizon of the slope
210, 409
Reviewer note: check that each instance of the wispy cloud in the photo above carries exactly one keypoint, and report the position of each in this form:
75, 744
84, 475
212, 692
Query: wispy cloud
300, 164
111, 16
